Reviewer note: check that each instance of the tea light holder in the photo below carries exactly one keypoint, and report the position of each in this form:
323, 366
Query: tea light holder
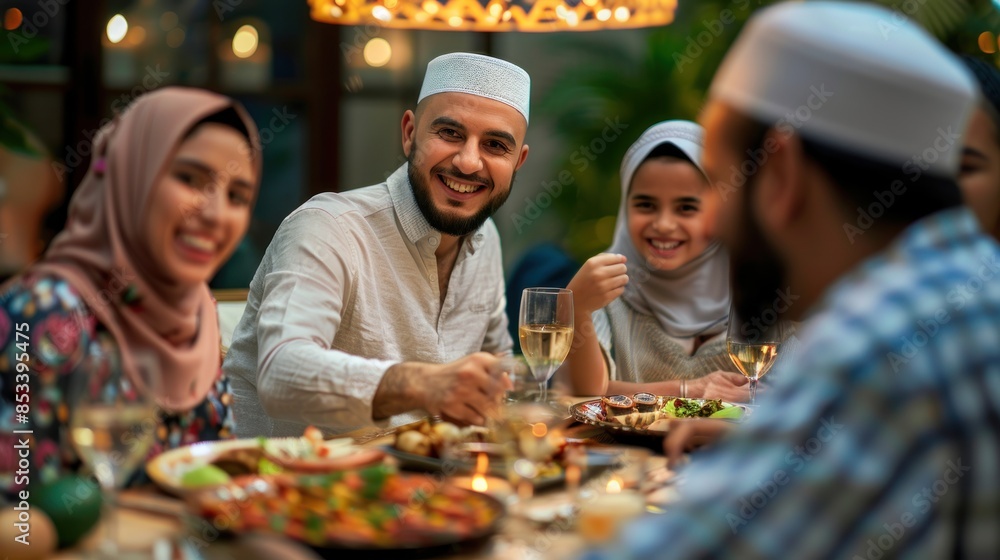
481, 482
485, 484
602, 515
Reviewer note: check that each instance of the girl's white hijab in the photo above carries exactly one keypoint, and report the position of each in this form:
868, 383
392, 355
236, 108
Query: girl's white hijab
692, 300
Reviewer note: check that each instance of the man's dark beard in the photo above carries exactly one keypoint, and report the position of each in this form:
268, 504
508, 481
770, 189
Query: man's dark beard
756, 272
442, 222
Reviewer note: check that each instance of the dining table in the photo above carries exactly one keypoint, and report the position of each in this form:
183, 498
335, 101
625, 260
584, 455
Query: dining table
151, 520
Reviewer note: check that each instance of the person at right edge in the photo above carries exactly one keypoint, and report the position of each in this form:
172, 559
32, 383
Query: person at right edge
881, 439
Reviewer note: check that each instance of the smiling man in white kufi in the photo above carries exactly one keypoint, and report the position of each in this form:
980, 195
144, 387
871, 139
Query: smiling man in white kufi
386, 303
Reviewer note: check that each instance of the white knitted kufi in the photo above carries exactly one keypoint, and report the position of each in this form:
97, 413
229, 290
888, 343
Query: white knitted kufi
480, 75
855, 75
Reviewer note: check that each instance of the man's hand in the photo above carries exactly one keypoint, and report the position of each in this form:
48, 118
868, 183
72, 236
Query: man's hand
724, 385
465, 391
686, 434
598, 282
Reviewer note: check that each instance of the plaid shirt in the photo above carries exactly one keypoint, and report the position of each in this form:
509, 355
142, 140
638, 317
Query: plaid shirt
881, 439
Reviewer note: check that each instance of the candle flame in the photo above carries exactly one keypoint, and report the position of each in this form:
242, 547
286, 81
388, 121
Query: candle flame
479, 483
482, 463
614, 487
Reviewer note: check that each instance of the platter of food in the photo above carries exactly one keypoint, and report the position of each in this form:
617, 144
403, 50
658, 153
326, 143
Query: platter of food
209, 463
373, 511
644, 414
435, 446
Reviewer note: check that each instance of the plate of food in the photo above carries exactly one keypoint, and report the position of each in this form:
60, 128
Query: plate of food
374, 511
645, 414
211, 463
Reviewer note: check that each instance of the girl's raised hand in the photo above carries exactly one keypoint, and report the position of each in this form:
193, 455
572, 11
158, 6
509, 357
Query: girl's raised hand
599, 281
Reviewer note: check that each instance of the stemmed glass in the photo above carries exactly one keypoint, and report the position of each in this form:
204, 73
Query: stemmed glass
545, 328
113, 422
753, 345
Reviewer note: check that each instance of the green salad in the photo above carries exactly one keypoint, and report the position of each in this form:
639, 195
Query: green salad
694, 408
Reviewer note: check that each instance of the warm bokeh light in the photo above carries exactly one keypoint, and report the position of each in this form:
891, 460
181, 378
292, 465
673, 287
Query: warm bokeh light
390, 4
175, 38
431, 7
381, 13
12, 19
987, 43
539, 430
168, 21
377, 52
117, 28
136, 35
482, 463
603, 15
621, 14
245, 41
614, 487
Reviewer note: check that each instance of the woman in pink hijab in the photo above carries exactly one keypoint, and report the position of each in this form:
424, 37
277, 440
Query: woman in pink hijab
166, 200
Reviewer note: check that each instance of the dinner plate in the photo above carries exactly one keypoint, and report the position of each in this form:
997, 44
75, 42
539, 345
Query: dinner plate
590, 412
220, 509
168, 468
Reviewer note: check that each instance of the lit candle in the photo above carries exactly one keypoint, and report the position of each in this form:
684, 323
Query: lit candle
603, 515
491, 485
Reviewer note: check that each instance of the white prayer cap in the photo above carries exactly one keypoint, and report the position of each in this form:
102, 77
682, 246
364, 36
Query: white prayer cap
856, 76
686, 135
480, 75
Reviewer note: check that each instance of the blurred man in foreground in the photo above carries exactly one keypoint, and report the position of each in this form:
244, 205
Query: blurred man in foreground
834, 132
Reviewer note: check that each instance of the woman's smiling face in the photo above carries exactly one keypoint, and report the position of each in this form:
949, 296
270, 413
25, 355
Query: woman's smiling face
200, 209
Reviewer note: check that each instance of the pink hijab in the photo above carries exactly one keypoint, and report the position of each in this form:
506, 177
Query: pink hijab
102, 255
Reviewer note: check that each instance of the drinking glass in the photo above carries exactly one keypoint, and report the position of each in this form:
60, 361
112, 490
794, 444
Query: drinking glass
753, 345
113, 422
529, 435
545, 328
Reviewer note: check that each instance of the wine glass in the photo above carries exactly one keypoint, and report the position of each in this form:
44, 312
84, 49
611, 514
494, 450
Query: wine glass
113, 422
753, 345
545, 328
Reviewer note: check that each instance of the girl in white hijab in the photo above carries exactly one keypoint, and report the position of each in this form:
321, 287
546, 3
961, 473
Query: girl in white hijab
666, 332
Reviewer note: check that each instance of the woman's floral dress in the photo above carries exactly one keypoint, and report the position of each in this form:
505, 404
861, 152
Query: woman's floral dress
45, 324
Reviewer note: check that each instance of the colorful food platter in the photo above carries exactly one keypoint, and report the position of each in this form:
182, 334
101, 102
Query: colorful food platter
372, 512
621, 417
